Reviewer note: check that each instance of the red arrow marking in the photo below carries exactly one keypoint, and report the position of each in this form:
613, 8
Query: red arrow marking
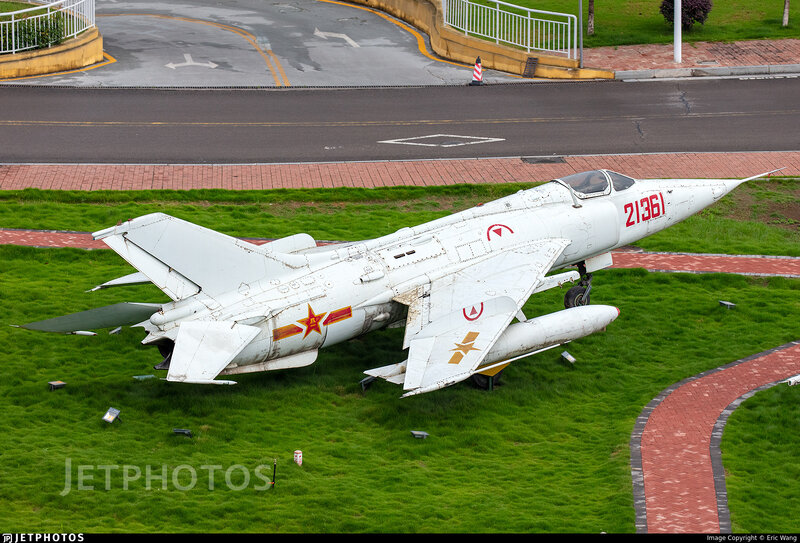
497, 229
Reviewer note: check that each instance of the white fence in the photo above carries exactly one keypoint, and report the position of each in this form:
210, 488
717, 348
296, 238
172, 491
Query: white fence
45, 25
530, 29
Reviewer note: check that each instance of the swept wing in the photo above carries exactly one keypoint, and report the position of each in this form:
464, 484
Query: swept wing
455, 319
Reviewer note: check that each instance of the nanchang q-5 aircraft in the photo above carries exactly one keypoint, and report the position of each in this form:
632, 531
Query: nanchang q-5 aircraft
457, 283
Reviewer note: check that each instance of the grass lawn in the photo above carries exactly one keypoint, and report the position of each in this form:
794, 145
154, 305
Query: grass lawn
629, 22
759, 217
546, 451
762, 460
6, 7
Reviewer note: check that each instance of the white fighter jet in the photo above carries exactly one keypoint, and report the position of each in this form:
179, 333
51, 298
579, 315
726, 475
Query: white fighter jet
455, 283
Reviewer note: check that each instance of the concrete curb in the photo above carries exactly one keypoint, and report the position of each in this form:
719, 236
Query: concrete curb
712, 71
426, 15
80, 52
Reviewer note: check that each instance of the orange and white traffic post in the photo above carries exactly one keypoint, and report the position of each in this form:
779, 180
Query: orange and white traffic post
477, 73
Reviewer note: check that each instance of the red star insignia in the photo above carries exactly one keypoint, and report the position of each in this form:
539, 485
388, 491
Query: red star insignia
312, 322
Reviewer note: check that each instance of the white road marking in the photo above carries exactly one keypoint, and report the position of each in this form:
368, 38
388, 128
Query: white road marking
447, 140
190, 62
326, 35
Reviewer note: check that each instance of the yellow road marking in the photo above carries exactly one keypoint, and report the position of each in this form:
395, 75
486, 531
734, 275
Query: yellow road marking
108, 60
278, 74
405, 122
413, 31
273, 64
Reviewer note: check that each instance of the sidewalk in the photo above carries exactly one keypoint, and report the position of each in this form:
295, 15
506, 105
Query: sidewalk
720, 59
388, 174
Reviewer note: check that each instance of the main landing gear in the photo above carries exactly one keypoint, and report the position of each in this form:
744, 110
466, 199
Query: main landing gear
485, 382
579, 294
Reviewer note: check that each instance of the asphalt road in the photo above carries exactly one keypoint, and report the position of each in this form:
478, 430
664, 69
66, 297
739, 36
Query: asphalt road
74, 125
258, 43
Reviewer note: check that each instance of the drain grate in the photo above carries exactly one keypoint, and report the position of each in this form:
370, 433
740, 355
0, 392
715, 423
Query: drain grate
543, 160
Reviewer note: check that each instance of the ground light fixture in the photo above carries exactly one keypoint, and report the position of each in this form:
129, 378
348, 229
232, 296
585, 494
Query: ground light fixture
111, 415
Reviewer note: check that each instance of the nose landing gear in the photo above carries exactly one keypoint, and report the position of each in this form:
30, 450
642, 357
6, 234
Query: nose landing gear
580, 293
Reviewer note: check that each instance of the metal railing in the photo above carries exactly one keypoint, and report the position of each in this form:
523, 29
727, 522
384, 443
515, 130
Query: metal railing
530, 29
45, 25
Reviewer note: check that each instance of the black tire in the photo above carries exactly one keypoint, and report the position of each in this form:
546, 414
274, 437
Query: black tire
483, 382
576, 296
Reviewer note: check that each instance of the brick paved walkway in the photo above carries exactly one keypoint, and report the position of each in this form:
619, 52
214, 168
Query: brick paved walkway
386, 174
695, 55
675, 461
667, 262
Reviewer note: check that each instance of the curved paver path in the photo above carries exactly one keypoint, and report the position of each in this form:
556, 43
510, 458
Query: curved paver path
783, 266
679, 483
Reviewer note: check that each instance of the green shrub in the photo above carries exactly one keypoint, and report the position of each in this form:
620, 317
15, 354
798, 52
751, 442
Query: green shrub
35, 32
692, 11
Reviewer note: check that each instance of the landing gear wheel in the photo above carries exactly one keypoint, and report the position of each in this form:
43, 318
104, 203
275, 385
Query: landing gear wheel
484, 382
576, 296
579, 294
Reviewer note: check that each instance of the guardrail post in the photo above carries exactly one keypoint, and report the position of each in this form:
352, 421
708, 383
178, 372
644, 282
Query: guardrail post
497, 24
543, 34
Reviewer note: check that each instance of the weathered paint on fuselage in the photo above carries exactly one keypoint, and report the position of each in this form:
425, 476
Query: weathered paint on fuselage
345, 290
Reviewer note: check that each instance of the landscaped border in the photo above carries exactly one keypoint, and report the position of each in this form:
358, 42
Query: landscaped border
446, 42
79, 52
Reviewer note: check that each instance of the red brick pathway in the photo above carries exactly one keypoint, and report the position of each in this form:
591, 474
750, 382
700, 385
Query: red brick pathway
668, 262
385, 174
695, 55
681, 486
701, 263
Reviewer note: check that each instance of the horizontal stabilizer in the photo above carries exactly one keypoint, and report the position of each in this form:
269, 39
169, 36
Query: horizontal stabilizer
108, 316
135, 278
204, 348
181, 257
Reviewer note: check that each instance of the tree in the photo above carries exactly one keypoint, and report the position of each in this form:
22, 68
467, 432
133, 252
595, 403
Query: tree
785, 13
590, 27
692, 11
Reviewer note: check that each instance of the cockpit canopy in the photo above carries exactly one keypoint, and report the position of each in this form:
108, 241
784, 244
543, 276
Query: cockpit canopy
596, 182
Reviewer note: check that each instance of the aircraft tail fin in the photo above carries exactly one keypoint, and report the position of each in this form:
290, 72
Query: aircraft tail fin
182, 258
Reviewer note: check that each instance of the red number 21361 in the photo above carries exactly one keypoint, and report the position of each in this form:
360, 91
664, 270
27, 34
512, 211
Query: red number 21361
645, 209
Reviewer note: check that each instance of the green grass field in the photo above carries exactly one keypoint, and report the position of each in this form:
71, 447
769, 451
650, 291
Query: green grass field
6, 7
760, 217
629, 22
546, 451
